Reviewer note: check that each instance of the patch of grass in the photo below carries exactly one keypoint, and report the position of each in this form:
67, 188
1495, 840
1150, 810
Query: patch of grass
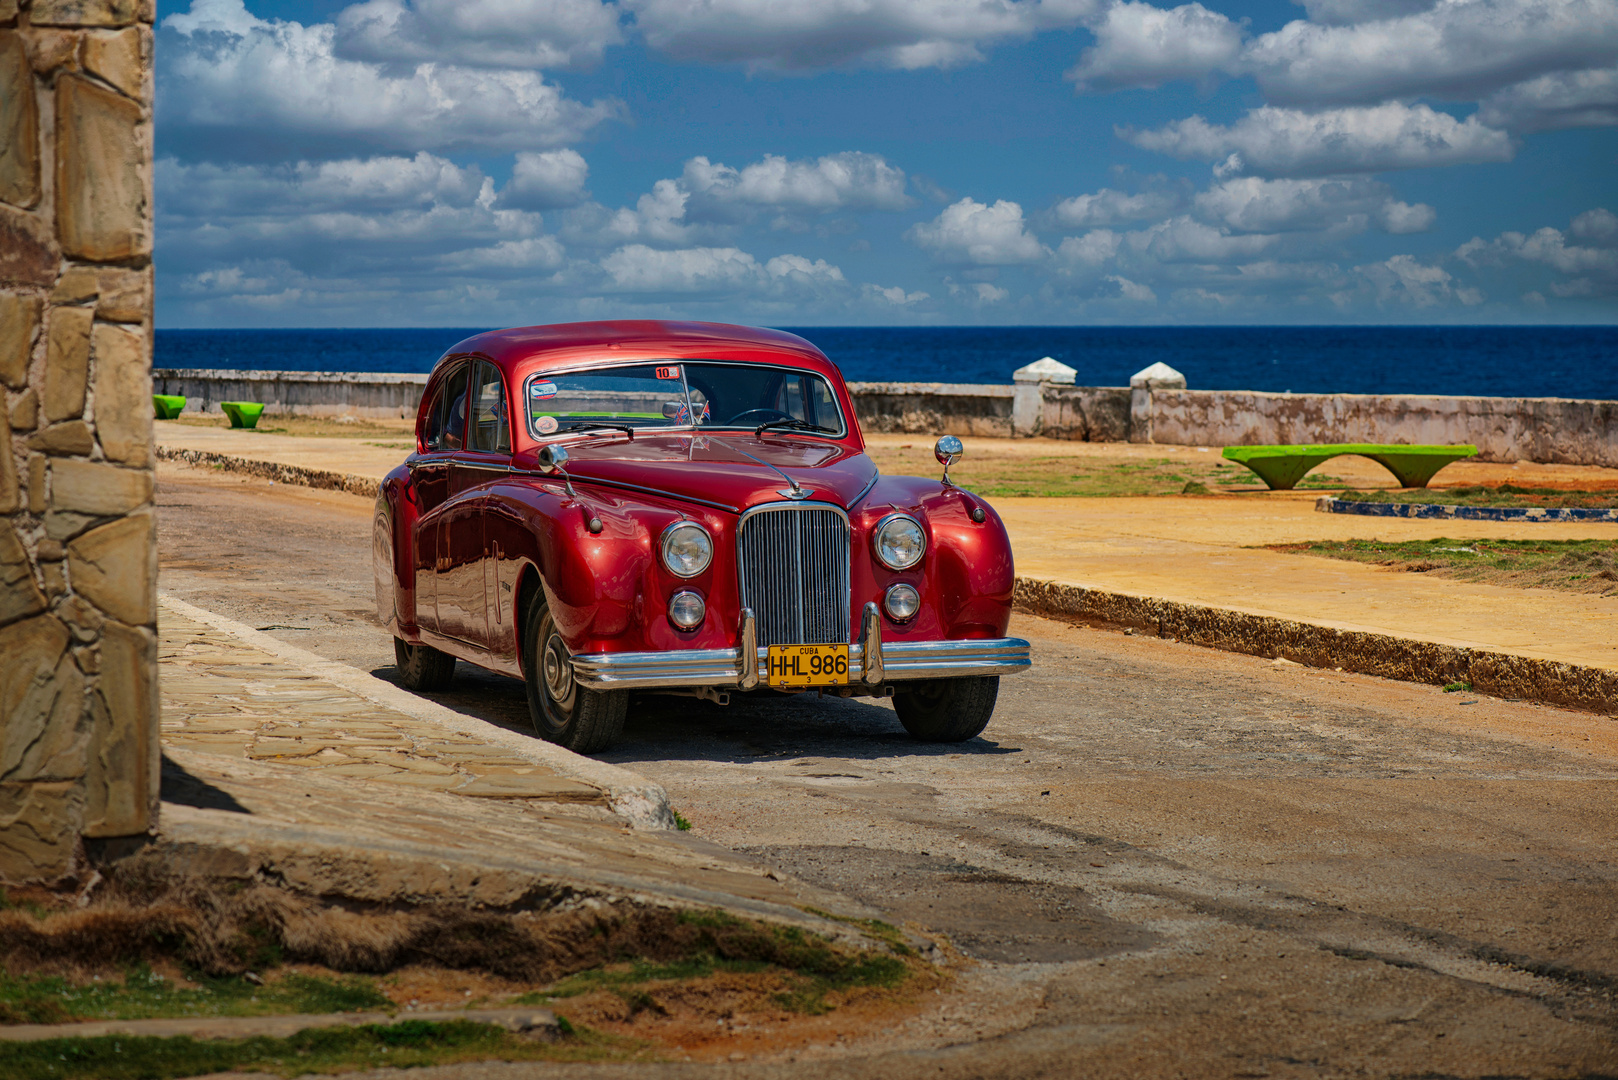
1504, 495
1458, 688
143, 994
408, 1044
680, 821
994, 473
1589, 566
325, 427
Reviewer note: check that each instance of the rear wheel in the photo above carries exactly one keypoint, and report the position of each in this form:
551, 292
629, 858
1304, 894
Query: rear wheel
946, 710
422, 667
563, 712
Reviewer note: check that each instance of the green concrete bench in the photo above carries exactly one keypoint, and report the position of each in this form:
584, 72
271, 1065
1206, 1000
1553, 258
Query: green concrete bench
243, 414
168, 406
1282, 467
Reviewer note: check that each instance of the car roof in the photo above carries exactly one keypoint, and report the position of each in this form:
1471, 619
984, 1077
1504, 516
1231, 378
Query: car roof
536, 348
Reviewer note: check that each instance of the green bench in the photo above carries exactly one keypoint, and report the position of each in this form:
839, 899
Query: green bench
243, 414
168, 406
1282, 467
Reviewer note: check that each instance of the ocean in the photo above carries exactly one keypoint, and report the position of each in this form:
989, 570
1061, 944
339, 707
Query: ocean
1490, 361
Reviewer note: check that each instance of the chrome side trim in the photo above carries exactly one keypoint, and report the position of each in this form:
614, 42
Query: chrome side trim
899, 661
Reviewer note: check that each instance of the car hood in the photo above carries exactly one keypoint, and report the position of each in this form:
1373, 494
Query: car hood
733, 471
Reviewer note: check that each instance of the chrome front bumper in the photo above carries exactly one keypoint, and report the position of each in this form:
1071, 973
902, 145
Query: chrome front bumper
871, 662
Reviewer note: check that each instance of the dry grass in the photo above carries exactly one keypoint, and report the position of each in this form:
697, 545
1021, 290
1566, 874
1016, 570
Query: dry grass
1586, 566
348, 427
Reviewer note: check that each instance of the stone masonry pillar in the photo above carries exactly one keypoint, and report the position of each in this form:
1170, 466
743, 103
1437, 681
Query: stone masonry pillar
78, 559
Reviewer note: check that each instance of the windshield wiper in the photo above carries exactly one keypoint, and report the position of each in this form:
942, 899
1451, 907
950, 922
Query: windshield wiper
591, 425
790, 422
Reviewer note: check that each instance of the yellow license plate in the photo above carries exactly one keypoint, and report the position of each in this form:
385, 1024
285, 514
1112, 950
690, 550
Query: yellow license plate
808, 665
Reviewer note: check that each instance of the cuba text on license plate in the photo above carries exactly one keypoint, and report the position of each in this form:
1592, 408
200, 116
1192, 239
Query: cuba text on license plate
808, 665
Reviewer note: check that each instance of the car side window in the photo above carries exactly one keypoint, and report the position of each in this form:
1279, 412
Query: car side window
446, 424
491, 427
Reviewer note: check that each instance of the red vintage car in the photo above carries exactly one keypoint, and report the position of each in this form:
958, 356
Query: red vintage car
681, 508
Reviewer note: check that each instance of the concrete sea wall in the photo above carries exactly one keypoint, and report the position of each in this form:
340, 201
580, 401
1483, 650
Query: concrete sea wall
1557, 430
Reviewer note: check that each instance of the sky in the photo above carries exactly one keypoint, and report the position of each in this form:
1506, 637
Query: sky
886, 162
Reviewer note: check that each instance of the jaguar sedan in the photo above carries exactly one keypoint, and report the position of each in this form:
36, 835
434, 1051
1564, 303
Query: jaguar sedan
606, 509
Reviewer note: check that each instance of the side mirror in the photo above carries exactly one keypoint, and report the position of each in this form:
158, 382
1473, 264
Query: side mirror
672, 409
948, 451
552, 459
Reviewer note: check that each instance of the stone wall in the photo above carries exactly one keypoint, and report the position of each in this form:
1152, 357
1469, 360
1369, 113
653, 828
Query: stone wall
1563, 431
294, 393
78, 563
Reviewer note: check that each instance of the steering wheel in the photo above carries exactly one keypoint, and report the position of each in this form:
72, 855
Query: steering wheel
762, 416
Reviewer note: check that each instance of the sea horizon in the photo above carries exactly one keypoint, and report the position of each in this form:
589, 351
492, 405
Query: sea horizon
1570, 361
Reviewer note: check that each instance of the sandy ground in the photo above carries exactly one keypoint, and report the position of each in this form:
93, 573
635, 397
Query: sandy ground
1161, 861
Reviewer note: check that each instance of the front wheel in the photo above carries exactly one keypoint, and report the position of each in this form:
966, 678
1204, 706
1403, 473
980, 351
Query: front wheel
946, 710
563, 712
422, 667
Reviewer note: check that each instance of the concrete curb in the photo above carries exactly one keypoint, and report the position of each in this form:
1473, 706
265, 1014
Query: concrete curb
1329, 504
540, 1023
352, 483
630, 795
1411, 660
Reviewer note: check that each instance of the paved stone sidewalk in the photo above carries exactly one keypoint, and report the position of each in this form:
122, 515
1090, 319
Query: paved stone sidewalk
223, 696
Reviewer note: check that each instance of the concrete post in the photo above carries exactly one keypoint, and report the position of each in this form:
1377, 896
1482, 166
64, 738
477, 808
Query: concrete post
1141, 385
78, 559
1028, 407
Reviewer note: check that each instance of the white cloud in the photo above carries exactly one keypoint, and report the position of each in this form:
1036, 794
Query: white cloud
1290, 142
990, 294
1598, 228
1402, 280
850, 180
1145, 46
659, 217
534, 253
1091, 249
1458, 49
1110, 207
479, 33
1563, 100
803, 35
1346, 12
637, 268
1131, 290
1184, 239
1251, 204
971, 232
545, 181
893, 294
235, 85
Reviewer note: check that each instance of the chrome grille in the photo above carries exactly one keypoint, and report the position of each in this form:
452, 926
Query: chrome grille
793, 563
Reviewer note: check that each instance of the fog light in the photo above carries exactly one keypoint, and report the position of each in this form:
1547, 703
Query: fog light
902, 602
686, 610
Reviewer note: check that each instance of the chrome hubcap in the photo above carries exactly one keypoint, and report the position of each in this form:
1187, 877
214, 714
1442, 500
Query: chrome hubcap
558, 670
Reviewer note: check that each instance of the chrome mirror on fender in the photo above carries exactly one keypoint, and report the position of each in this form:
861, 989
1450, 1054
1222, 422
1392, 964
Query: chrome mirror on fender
553, 460
948, 451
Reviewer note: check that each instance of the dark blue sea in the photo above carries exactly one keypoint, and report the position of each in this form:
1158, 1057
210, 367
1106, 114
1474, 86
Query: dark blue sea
1492, 361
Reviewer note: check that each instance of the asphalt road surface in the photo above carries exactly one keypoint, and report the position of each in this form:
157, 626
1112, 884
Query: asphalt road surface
1167, 861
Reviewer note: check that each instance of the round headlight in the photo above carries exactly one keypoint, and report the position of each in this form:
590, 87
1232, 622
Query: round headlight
902, 602
899, 542
687, 550
686, 610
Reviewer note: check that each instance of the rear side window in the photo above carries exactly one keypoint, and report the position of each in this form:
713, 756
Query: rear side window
491, 427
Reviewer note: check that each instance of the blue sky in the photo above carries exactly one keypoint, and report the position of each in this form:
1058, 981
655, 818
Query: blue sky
887, 162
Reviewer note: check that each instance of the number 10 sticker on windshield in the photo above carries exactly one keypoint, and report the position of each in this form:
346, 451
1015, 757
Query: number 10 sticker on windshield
672, 372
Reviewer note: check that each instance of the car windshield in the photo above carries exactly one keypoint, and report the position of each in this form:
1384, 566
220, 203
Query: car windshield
686, 393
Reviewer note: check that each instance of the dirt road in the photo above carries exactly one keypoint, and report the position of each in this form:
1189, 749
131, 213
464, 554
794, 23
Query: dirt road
1166, 861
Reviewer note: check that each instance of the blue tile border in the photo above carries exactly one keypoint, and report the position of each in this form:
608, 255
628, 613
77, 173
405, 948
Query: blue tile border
1331, 505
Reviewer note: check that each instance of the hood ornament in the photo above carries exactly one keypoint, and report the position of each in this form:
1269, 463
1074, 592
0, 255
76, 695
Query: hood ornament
948, 451
796, 493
